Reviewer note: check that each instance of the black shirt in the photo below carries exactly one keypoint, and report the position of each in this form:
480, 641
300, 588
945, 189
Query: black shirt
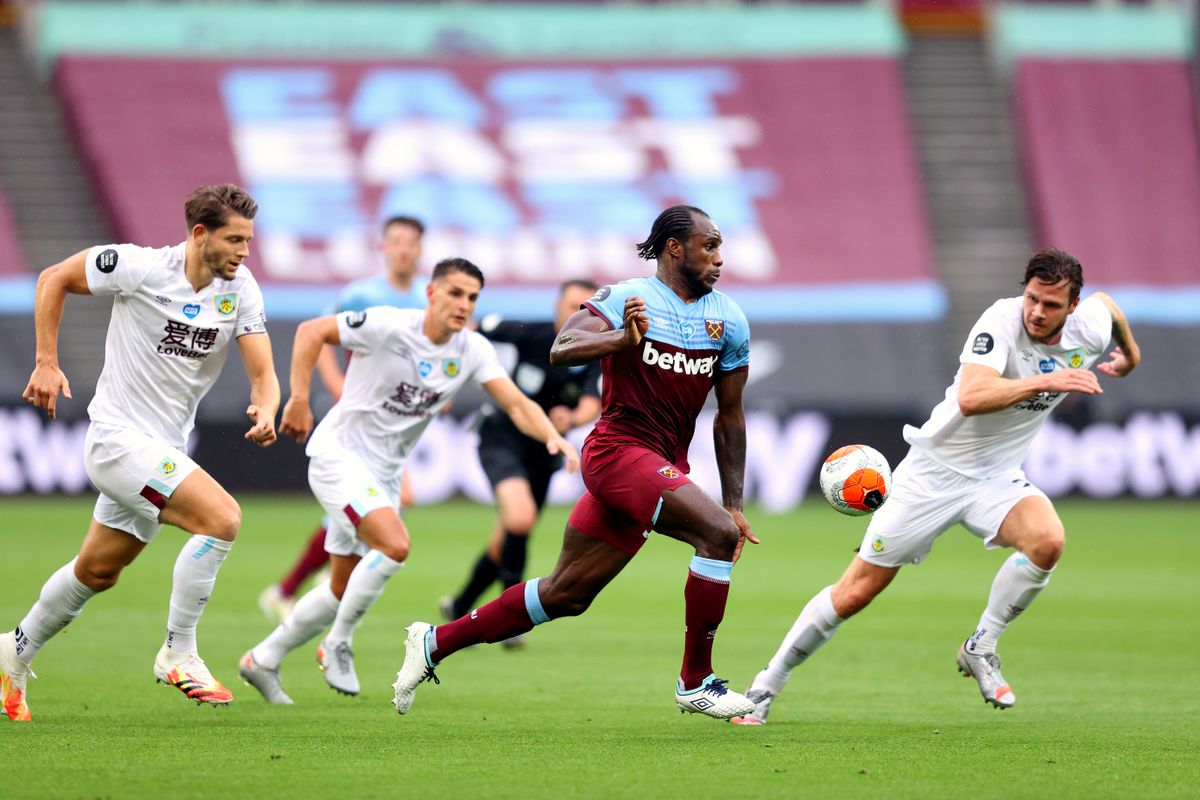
546, 385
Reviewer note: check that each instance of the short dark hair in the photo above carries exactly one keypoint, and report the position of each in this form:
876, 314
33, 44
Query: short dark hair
211, 206
447, 265
674, 223
402, 219
1054, 266
578, 283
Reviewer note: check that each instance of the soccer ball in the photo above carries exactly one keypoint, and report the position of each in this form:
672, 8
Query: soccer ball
855, 479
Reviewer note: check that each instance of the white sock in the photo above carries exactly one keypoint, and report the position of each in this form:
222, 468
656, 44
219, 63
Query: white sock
61, 600
1016, 585
364, 587
816, 625
195, 573
311, 615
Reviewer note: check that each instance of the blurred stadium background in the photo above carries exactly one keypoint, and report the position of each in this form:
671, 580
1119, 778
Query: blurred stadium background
881, 171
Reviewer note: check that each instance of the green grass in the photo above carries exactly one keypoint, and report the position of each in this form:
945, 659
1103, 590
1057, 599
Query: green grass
1105, 666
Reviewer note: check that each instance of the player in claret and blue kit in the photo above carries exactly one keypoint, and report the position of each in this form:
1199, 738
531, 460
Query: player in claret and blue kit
664, 343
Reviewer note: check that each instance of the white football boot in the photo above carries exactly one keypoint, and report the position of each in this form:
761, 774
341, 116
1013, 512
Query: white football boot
336, 661
712, 698
985, 669
416, 668
265, 679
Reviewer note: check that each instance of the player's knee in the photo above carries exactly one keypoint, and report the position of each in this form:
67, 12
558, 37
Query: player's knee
1046, 545
98, 577
396, 548
521, 521
226, 520
722, 540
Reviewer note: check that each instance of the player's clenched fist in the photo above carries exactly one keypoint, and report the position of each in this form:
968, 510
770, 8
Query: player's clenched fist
297, 420
1073, 380
637, 322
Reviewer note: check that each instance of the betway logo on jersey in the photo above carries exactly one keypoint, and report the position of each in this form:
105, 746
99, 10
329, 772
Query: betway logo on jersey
678, 362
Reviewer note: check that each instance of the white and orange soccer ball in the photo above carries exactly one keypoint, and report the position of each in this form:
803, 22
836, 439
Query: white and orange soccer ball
856, 479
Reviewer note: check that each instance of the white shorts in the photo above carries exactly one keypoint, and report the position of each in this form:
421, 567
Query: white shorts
135, 474
347, 489
927, 499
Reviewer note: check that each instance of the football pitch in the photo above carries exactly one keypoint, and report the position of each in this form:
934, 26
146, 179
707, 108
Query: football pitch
1105, 666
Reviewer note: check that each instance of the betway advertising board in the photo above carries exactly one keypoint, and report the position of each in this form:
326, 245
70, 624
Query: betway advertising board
1150, 455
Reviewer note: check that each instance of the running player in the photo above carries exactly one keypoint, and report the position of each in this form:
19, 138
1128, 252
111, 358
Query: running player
175, 311
398, 286
518, 467
664, 342
1024, 355
407, 366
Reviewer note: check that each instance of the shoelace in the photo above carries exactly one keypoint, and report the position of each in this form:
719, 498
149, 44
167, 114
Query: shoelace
430, 676
717, 687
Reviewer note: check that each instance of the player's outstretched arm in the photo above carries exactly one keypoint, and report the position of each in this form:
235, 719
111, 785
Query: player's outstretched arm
586, 337
1126, 355
53, 286
311, 336
729, 440
264, 387
983, 390
530, 419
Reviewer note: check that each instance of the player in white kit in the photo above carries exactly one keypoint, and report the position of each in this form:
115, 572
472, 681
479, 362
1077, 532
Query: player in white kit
175, 312
407, 365
964, 466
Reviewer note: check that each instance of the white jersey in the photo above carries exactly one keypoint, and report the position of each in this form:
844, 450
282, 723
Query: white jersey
985, 445
397, 382
166, 342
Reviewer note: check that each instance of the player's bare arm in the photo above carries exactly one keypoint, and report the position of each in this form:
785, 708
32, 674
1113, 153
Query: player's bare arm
586, 337
311, 336
53, 286
531, 420
332, 377
264, 387
1126, 355
983, 390
729, 439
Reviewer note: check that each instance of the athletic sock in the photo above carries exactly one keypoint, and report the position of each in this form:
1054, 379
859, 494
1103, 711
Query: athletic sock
704, 594
312, 559
195, 573
486, 571
362, 590
313, 612
514, 612
513, 553
60, 601
1017, 583
814, 627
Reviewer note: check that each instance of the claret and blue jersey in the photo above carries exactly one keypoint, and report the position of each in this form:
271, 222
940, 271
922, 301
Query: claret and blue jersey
654, 392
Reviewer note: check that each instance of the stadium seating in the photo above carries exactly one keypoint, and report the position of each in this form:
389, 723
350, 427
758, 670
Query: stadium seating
12, 262
1113, 165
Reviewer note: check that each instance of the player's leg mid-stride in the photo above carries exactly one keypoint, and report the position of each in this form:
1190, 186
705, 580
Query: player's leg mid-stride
586, 565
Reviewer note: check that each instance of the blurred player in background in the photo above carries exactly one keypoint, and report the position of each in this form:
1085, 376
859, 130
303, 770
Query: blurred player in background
664, 343
175, 312
407, 366
518, 467
399, 287
1024, 355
